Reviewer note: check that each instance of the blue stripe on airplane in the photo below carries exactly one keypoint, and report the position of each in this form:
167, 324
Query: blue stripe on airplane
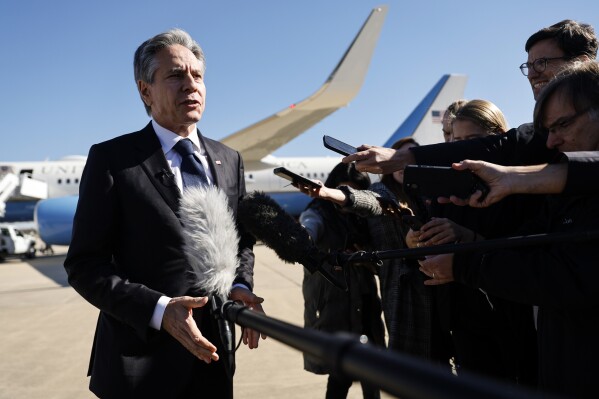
55, 215
292, 202
409, 126
19, 211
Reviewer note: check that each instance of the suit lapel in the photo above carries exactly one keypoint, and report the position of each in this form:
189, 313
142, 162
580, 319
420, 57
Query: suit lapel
153, 162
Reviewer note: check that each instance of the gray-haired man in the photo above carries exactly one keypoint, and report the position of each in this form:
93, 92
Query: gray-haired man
154, 336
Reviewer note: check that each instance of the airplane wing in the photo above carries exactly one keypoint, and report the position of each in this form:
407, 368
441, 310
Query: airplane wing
424, 123
262, 138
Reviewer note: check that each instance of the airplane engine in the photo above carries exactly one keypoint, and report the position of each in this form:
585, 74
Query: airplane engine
54, 218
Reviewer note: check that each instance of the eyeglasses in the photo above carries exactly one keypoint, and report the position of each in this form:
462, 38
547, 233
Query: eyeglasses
563, 123
539, 65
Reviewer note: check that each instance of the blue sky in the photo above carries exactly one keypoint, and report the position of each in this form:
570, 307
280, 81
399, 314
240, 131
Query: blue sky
66, 79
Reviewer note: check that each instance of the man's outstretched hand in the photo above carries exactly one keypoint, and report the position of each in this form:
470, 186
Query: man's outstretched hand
178, 321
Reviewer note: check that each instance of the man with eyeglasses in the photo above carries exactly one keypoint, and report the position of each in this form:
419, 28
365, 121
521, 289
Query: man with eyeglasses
550, 49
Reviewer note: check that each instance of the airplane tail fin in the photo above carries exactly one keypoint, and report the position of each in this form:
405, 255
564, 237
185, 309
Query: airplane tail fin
424, 123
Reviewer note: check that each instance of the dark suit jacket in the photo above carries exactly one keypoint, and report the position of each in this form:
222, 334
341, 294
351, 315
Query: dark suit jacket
126, 252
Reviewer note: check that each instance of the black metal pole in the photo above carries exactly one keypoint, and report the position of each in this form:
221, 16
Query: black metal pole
397, 374
486, 245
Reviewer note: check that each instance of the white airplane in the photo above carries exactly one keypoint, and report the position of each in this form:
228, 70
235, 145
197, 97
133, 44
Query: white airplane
49, 189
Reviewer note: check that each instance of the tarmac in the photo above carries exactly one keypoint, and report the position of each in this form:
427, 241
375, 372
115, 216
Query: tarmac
46, 333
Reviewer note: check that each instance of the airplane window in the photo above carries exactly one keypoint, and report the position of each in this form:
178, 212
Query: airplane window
59, 181
68, 181
76, 181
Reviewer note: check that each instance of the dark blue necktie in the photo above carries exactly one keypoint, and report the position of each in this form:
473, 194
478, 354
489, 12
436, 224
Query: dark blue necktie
192, 170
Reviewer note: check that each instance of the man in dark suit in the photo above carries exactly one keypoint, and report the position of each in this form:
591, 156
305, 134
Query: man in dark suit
154, 337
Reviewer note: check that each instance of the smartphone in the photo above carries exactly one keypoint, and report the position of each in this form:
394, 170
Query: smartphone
440, 181
294, 178
338, 146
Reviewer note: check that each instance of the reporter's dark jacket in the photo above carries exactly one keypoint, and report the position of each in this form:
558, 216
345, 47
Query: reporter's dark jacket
561, 279
328, 308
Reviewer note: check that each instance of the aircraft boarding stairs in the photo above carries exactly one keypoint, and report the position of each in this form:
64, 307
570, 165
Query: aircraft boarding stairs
20, 188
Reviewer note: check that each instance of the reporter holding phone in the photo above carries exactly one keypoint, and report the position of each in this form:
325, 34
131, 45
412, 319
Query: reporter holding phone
326, 307
492, 336
412, 326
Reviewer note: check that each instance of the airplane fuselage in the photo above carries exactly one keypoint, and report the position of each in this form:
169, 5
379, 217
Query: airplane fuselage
62, 176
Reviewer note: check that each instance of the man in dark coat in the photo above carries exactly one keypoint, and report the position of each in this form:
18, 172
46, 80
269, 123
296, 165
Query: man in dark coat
154, 337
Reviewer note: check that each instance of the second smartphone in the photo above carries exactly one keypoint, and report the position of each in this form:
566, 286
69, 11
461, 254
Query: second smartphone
294, 178
338, 146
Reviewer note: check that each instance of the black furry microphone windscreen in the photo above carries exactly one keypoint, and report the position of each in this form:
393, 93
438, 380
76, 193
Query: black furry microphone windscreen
278, 230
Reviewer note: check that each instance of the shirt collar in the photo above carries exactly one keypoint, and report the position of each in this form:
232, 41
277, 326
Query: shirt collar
168, 139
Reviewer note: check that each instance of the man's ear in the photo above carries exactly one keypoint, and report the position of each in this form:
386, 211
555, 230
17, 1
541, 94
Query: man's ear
145, 91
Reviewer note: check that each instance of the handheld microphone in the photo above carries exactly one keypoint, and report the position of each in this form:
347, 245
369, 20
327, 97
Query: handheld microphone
269, 223
224, 326
211, 245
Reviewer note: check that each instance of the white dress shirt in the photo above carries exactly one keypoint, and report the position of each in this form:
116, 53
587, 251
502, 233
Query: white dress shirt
168, 140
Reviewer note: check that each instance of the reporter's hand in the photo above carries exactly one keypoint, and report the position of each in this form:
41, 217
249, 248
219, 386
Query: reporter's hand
312, 192
443, 231
253, 302
178, 321
495, 176
413, 239
380, 160
439, 268
323, 192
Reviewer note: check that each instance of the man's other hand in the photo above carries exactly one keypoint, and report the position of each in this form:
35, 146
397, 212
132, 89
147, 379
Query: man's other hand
253, 302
